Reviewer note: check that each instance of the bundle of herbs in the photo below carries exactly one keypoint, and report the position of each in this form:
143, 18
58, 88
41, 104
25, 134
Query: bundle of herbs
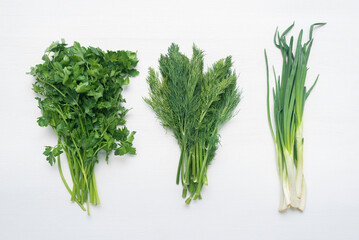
194, 104
79, 94
289, 96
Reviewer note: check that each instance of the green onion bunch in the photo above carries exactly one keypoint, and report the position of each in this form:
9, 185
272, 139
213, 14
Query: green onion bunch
289, 96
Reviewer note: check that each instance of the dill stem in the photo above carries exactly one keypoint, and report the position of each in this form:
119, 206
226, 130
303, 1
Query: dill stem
200, 181
179, 167
197, 161
193, 154
183, 167
187, 166
200, 158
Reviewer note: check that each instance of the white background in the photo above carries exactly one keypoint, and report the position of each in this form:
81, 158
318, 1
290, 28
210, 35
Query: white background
139, 198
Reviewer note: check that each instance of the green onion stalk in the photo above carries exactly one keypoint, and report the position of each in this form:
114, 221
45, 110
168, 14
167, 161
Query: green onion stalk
289, 96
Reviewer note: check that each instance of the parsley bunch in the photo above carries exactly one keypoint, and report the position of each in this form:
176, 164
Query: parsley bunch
80, 98
194, 104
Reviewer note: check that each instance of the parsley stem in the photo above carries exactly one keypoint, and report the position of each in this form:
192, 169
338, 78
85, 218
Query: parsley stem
38, 78
65, 183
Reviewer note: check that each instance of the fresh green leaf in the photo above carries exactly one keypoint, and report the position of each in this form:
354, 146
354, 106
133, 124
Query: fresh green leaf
83, 87
42, 121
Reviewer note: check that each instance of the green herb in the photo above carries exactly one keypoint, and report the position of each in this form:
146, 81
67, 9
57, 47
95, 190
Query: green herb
194, 105
80, 98
289, 96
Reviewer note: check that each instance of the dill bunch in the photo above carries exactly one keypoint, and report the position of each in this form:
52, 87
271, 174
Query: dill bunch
194, 104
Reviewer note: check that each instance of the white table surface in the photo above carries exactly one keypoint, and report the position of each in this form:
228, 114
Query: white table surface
139, 198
